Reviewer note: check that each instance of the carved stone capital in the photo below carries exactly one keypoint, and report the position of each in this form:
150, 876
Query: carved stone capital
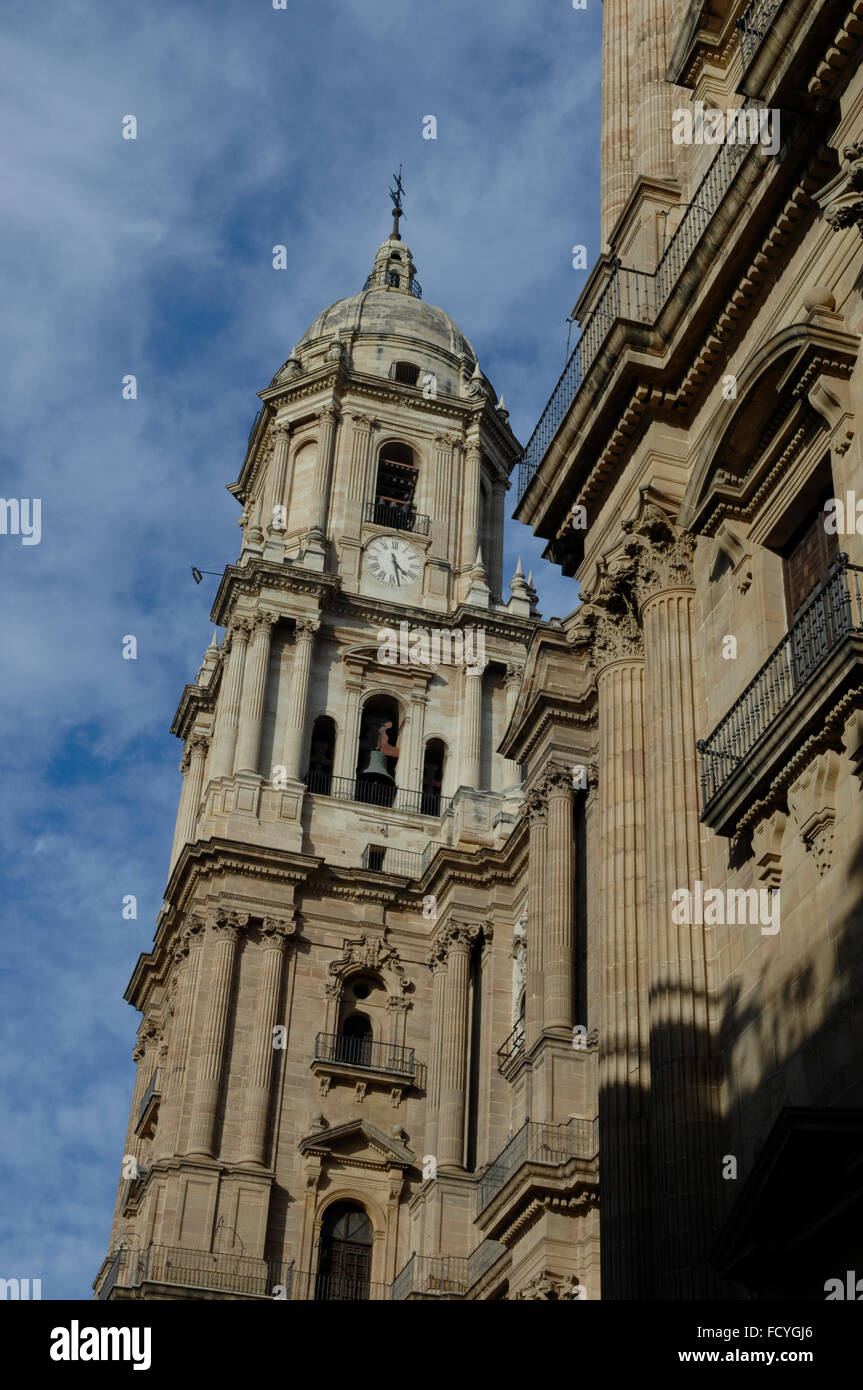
661, 552
280, 434
185, 762
557, 781
459, 936
263, 621
306, 628
841, 200
328, 415
198, 745
513, 675
276, 931
241, 631
229, 923
536, 806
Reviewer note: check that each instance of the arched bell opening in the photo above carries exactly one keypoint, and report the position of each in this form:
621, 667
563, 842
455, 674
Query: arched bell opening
396, 485
434, 761
378, 752
321, 755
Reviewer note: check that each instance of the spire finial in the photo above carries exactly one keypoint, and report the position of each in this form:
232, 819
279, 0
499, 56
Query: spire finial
396, 194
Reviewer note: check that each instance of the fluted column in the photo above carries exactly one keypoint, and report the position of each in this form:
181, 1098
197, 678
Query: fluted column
649, 42
192, 767
685, 1143
213, 1032
624, 1070
357, 495
254, 688
558, 965
299, 696
512, 771
616, 141
277, 491
187, 964
347, 741
453, 1084
414, 743
437, 963
471, 730
494, 560
537, 811
271, 948
328, 419
228, 706
442, 497
470, 504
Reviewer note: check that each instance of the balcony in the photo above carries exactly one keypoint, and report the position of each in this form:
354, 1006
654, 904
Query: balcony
373, 793
445, 1276
638, 296
239, 1276
513, 1045
754, 26
384, 859
148, 1111
390, 279
398, 516
304, 1285
364, 1055
540, 1145
787, 698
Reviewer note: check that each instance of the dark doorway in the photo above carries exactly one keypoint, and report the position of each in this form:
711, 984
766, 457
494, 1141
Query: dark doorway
345, 1262
320, 775
355, 1041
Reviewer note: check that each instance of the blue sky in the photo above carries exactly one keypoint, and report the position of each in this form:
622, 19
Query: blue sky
256, 127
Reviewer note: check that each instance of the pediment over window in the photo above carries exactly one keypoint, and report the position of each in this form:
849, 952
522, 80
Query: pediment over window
359, 1143
788, 394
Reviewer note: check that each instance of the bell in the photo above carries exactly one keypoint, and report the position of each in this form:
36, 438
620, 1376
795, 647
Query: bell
377, 766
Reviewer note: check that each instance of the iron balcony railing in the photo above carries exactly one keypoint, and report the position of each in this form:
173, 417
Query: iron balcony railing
398, 516
255, 424
831, 612
454, 1275
385, 279
311, 1286
513, 1044
154, 1088
365, 1054
428, 854
377, 793
636, 295
195, 1269
754, 26
536, 1143
383, 859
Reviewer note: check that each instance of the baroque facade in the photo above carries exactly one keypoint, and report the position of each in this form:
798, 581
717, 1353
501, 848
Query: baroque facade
447, 936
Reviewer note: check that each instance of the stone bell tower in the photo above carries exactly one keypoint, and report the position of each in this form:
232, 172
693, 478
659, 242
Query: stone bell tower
342, 735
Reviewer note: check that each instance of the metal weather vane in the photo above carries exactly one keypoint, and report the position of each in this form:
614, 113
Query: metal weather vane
397, 194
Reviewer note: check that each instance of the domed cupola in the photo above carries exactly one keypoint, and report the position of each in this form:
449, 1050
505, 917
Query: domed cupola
394, 268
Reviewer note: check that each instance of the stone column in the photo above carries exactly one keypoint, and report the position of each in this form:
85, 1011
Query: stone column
271, 949
442, 497
471, 730
685, 1144
328, 419
512, 684
470, 504
557, 964
213, 1032
438, 966
357, 495
453, 1081
616, 139
277, 492
648, 42
298, 699
412, 759
494, 560
254, 688
187, 964
228, 706
192, 767
537, 811
347, 739
624, 1071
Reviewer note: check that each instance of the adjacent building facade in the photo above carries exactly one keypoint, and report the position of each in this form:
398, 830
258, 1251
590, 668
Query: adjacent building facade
467, 909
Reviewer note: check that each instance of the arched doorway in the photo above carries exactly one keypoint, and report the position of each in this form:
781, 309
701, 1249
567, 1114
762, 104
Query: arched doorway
345, 1260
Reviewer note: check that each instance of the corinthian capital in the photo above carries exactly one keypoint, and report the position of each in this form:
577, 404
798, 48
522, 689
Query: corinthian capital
229, 923
241, 631
306, 628
660, 551
327, 415
557, 781
281, 434
460, 936
536, 805
841, 200
264, 620
277, 930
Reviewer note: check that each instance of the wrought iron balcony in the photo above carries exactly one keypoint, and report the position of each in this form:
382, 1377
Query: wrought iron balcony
828, 616
375, 793
549, 1145
513, 1044
398, 516
636, 295
362, 1054
450, 1276
754, 26
310, 1286
391, 279
384, 859
195, 1269
151, 1097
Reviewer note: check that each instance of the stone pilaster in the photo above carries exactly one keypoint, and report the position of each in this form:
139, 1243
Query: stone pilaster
213, 1032
471, 730
298, 697
616, 142
537, 811
347, 743
277, 492
458, 940
685, 1145
442, 497
194, 760
557, 952
470, 504
328, 421
437, 961
228, 707
512, 684
271, 948
254, 687
494, 560
414, 742
357, 495
187, 964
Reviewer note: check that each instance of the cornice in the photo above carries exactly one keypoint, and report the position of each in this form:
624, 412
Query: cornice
259, 575
195, 700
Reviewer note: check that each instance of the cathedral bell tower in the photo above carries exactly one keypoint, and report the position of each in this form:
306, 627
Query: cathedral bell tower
343, 733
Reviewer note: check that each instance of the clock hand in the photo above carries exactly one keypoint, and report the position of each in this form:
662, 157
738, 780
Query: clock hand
396, 568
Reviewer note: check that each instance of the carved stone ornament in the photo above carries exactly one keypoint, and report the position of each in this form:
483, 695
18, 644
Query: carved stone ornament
662, 553
841, 200
369, 953
812, 801
552, 1288
229, 923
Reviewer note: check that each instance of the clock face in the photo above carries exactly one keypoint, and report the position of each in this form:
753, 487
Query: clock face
392, 560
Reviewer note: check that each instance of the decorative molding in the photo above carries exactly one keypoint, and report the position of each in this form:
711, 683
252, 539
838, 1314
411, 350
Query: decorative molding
841, 200
812, 801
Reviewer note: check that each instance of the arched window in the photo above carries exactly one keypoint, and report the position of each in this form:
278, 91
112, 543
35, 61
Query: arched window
395, 487
393, 278
345, 1258
319, 777
378, 752
433, 771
